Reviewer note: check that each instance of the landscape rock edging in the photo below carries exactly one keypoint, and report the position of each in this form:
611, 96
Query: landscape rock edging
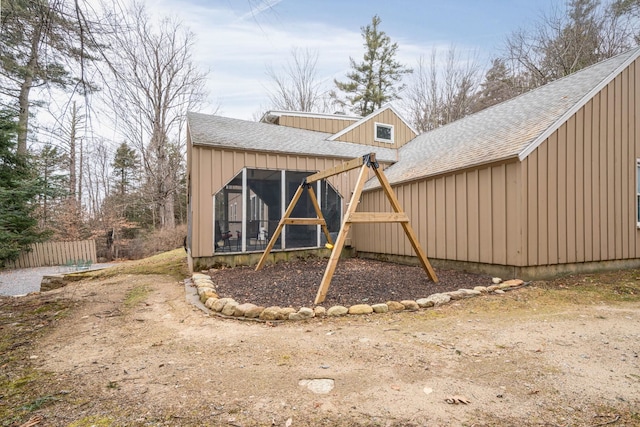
229, 308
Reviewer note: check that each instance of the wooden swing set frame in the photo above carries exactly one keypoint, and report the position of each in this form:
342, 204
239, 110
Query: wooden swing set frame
350, 217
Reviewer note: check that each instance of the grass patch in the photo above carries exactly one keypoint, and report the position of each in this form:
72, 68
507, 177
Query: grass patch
93, 421
172, 263
136, 295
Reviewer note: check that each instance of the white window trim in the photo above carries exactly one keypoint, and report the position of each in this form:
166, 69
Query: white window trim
375, 133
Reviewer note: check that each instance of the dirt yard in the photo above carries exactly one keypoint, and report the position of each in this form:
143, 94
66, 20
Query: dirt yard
126, 349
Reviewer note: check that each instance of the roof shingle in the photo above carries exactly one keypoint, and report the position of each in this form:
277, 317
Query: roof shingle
507, 130
224, 132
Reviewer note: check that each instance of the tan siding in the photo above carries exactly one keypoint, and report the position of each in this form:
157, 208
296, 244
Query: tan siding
473, 222
461, 212
315, 123
581, 182
464, 216
364, 133
530, 172
214, 168
450, 212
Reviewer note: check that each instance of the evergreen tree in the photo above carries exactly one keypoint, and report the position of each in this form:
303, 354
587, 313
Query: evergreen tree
125, 165
40, 43
377, 79
18, 189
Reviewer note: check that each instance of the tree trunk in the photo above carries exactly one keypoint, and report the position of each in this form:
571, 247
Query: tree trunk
25, 89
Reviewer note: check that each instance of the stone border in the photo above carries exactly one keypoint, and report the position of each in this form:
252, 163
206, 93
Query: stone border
229, 308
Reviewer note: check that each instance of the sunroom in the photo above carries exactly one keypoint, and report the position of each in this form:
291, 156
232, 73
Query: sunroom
248, 208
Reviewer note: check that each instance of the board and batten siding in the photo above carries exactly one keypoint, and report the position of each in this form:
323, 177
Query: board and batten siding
466, 216
318, 124
364, 133
572, 200
212, 168
579, 197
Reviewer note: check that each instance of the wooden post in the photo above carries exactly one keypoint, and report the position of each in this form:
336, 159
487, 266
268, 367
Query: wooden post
350, 217
276, 234
342, 236
406, 226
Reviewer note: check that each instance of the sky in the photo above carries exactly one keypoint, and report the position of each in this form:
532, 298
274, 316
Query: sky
236, 40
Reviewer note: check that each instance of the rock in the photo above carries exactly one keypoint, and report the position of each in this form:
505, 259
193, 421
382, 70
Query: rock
395, 306
209, 294
496, 280
302, 314
241, 309
360, 309
439, 299
254, 312
492, 288
203, 289
471, 292
425, 302
270, 313
514, 282
209, 303
206, 283
410, 305
197, 276
284, 313
337, 310
456, 295
498, 291
229, 308
319, 385
306, 312
320, 311
380, 308
219, 305
482, 289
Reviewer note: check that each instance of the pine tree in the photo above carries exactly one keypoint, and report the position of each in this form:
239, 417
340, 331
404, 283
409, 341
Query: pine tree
18, 189
377, 79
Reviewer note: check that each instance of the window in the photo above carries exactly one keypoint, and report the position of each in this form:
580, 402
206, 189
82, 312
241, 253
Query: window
638, 192
248, 209
384, 133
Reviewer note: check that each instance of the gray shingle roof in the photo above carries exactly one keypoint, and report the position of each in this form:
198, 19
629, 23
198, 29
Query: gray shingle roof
512, 128
224, 132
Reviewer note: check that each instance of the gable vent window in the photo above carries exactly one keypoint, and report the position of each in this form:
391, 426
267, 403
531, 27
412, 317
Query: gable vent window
384, 133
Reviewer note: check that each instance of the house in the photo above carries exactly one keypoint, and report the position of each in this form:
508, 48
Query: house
542, 184
241, 175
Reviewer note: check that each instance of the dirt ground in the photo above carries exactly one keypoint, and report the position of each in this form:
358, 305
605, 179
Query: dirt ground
129, 350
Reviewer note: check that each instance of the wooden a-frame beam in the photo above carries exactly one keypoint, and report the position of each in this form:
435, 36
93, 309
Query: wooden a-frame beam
350, 217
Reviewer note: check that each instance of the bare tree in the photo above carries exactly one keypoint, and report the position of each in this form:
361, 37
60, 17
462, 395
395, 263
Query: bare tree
439, 94
155, 83
296, 87
563, 42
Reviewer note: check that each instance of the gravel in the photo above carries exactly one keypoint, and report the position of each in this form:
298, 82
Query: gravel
22, 281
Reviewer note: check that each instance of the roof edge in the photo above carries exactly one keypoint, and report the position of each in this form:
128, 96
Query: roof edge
578, 105
506, 159
309, 114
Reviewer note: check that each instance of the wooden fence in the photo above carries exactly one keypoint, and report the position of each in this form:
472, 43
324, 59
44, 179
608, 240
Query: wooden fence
56, 253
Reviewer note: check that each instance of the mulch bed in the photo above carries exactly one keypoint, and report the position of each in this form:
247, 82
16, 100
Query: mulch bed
356, 281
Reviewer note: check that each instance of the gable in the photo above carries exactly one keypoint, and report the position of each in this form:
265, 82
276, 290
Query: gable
376, 128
